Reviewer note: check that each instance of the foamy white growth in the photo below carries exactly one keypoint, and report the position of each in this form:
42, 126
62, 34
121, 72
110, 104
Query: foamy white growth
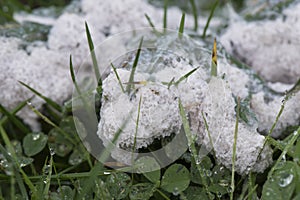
41, 70
267, 112
45, 67
218, 109
158, 115
271, 46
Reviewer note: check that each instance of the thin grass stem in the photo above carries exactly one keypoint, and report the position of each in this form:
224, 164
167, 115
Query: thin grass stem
209, 18
93, 55
195, 14
234, 148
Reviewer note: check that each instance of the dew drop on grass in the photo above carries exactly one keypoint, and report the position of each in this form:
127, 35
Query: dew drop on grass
46, 169
106, 173
36, 136
208, 173
175, 191
52, 151
285, 180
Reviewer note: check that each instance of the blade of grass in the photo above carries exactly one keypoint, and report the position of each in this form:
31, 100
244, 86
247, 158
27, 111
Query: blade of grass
93, 55
89, 183
209, 18
48, 100
15, 159
234, 148
15, 174
136, 60
165, 15
195, 14
209, 135
150, 23
185, 76
192, 146
181, 26
48, 121
48, 177
19, 107
118, 77
273, 126
14, 120
136, 131
289, 145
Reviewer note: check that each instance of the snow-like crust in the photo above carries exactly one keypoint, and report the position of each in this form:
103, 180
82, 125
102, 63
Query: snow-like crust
16, 65
160, 115
218, 108
45, 67
267, 112
271, 46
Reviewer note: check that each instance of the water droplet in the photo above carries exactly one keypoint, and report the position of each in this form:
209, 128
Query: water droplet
285, 180
106, 173
52, 151
46, 169
36, 136
295, 133
175, 191
208, 173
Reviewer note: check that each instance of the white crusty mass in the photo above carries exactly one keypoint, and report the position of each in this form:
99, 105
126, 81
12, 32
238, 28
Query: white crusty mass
271, 47
218, 108
45, 67
159, 114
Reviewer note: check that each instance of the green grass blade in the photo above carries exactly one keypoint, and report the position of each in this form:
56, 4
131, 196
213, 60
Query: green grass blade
93, 55
150, 23
136, 60
73, 76
14, 157
192, 146
267, 138
185, 76
209, 135
136, 130
165, 15
195, 14
19, 179
48, 177
289, 145
19, 107
181, 26
89, 183
14, 120
48, 121
118, 77
209, 18
48, 100
234, 148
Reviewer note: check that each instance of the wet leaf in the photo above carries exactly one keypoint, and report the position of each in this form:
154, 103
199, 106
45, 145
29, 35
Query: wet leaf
101, 190
195, 174
66, 192
33, 143
149, 167
76, 157
142, 191
118, 185
59, 143
281, 184
195, 193
24, 161
176, 179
